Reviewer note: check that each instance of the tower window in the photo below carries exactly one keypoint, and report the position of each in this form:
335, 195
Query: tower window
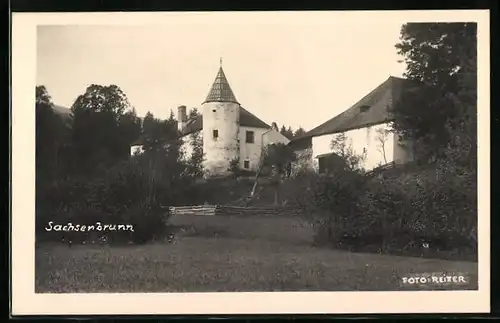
246, 164
216, 134
250, 137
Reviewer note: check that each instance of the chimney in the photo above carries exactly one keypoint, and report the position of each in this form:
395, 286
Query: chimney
181, 117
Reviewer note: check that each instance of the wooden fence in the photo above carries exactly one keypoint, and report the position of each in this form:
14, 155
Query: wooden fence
193, 210
207, 210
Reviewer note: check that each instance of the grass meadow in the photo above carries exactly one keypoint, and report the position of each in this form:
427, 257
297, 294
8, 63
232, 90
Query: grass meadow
229, 254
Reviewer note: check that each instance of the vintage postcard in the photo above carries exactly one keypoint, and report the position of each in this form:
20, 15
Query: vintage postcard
250, 162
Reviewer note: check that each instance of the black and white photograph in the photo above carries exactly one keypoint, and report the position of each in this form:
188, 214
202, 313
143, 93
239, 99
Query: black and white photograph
231, 152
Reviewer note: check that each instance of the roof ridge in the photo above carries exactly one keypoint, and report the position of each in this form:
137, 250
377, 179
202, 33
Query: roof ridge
353, 105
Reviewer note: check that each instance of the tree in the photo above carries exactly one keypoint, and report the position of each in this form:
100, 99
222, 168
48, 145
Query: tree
157, 133
278, 157
149, 123
101, 117
299, 132
381, 138
342, 148
51, 138
287, 132
163, 155
234, 167
193, 113
197, 156
442, 59
129, 126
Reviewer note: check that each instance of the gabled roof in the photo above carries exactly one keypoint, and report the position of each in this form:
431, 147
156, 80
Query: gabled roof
372, 109
220, 90
247, 119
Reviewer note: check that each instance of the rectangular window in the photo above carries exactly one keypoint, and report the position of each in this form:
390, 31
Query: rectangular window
250, 137
246, 164
364, 108
216, 134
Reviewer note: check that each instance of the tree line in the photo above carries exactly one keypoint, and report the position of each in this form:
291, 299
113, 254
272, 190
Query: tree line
288, 131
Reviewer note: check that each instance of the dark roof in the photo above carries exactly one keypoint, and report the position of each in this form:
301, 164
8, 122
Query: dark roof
220, 90
300, 143
247, 119
372, 109
330, 154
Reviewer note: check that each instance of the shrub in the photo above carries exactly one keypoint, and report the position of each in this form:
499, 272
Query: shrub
425, 206
131, 192
335, 205
436, 205
150, 222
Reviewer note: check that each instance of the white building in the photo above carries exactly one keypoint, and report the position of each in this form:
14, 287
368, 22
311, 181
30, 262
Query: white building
365, 126
228, 131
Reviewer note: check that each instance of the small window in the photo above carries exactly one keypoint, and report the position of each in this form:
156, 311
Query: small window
250, 137
216, 134
364, 108
246, 164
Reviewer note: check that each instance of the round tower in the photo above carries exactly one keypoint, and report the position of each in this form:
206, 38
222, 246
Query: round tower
221, 114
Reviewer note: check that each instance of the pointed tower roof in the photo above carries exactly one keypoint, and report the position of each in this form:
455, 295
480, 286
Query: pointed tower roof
221, 91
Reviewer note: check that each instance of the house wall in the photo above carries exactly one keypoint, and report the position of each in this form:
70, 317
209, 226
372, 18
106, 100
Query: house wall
136, 149
360, 140
252, 151
248, 151
223, 117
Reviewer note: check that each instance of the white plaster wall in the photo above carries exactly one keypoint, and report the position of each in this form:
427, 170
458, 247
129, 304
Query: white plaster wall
136, 149
251, 151
224, 117
359, 139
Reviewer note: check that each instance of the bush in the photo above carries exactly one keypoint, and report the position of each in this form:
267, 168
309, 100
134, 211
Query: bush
127, 194
400, 213
435, 206
333, 203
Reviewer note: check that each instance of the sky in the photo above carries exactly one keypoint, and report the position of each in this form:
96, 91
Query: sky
297, 72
